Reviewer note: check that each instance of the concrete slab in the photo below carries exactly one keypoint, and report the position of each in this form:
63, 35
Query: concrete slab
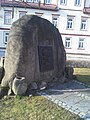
72, 96
84, 105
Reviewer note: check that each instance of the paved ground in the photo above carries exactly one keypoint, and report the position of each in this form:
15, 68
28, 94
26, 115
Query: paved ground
73, 96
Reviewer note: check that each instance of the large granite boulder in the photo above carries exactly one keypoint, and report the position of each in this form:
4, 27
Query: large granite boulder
19, 86
1, 73
35, 51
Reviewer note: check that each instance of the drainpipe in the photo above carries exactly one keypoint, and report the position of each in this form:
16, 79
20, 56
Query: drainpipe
39, 3
84, 3
12, 9
57, 3
44, 2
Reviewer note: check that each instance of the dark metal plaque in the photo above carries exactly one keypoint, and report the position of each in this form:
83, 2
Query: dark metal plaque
45, 58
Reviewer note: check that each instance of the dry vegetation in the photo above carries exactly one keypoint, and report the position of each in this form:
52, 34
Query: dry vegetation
83, 75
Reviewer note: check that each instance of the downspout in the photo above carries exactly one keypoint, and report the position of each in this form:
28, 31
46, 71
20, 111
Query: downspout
57, 2
12, 9
84, 3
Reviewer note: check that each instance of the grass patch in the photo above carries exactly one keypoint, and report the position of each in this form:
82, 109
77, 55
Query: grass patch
34, 108
83, 75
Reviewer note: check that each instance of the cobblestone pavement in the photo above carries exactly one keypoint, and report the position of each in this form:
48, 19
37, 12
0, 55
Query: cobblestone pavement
72, 96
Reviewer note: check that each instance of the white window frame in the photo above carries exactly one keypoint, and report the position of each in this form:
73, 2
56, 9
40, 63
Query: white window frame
68, 42
36, 1
55, 20
5, 36
47, 1
21, 13
2, 53
77, 2
38, 14
63, 2
29, 0
7, 17
70, 22
83, 23
81, 44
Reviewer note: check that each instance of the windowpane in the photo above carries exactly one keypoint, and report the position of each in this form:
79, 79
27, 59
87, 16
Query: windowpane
68, 43
47, 1
38, 14
21, 14
83, 24
7, 17
2, 53
55, 21
29, 0
6, 34
63, 1
77, 2
70, 23
81, 43
36, 1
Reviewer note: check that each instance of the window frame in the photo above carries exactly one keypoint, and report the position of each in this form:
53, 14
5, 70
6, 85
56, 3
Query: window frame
38, 14
36, 1
70, 24
68, 42
22, 12
83, 24
55, 22
29, 0
47, 1
63, 2
5, 37
55, 16
81, 44
7, 19
77, 2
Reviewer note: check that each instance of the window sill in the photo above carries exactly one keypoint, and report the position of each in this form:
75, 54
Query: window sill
81, 48
67, 48
63, 4
69, 29
6, 24
83, 30
77, 5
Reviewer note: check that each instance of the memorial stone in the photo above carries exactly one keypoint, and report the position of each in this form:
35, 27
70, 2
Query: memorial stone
35, 51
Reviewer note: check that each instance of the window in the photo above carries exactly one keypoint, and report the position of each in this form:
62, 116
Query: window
36, 1
68, 42
55, 21
7, 17
83, 24
63, 1
77, 2
38, 14
5, 36
29, 0
81, 43
21, 13
47, 1
70, 22
2, 53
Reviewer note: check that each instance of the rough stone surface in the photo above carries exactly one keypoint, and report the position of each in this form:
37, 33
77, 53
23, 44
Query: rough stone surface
33, 86
1, 73
35, 50
19, 86
2, 61
69, 72
43, 85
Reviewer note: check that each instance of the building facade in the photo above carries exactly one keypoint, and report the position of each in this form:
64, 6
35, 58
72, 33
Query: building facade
75, 29
71, 17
